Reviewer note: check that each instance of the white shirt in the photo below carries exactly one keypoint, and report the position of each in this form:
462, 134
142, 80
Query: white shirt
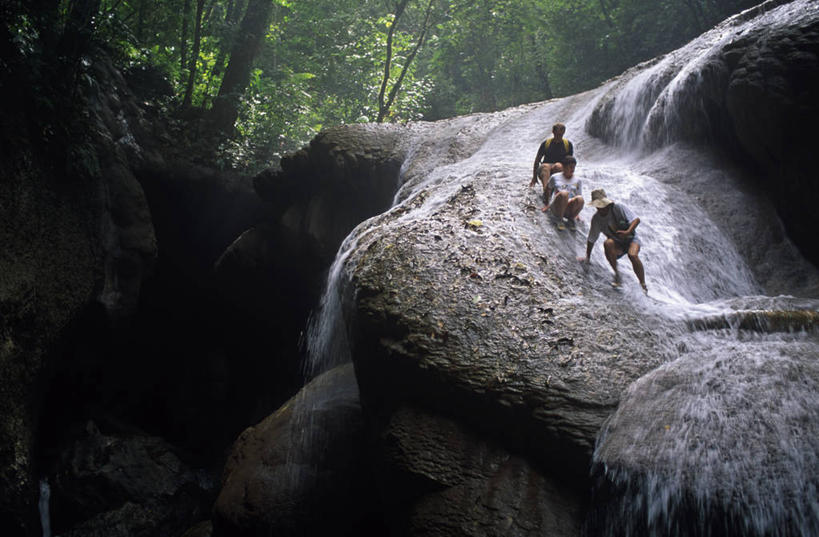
558, 182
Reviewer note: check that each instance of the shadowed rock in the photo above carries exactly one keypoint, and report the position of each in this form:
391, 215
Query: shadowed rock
440, 479
303, 470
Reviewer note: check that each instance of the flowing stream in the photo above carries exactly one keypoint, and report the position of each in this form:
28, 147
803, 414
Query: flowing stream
721, 439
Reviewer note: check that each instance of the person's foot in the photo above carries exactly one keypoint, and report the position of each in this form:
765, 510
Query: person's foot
561, 226
616, 281
643, 285
571, 224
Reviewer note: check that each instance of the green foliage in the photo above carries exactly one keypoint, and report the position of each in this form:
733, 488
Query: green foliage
322, 61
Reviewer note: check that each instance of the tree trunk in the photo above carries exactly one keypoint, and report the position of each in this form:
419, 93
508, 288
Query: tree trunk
234, 9
183, 39
197, 35
140, 32
397, 85
399, 10
237, 75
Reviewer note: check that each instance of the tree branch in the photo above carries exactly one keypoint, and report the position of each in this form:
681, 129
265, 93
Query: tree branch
399, 9
397, 85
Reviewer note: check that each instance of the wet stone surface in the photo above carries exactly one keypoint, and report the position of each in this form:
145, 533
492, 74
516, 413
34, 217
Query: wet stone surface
465, 300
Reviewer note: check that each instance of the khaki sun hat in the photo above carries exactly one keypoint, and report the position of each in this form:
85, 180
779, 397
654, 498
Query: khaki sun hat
599, 199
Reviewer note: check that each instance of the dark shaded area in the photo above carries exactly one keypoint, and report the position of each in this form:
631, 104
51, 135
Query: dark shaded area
151, 305
304, 470
690, 515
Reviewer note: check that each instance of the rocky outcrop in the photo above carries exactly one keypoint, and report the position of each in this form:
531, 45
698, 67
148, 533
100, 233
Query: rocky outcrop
773, 89
76, 236
438, 478
465, 312
125, 485
345, 176
744, 89
700, 444
304, 470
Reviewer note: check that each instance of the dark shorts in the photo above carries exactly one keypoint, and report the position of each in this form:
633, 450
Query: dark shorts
623, 245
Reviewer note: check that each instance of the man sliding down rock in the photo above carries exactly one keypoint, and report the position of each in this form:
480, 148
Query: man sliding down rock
618, 224
563, 195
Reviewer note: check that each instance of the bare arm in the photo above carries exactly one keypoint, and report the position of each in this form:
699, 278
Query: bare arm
631, 227
589, 246
540, 152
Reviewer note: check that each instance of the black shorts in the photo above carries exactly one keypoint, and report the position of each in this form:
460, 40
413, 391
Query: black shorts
624, 245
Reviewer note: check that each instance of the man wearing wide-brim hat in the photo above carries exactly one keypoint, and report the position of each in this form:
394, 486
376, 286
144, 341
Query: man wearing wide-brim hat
618, 224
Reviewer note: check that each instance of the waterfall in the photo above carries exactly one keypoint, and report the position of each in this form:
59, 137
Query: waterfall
721, 439
327, 344
45, 514
662, 101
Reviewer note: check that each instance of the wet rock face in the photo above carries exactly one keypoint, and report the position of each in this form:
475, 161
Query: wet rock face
771, 97
440, 479
461, 311
303, 470
715, 446
75, 236
345, 176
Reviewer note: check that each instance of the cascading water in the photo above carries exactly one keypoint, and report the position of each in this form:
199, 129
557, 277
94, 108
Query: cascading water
714, 442
44, 507
719, 440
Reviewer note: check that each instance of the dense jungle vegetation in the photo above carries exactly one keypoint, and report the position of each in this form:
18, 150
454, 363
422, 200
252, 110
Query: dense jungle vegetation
269, 74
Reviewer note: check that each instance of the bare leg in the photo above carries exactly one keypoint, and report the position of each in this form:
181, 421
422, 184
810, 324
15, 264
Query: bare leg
559, 204
543, 173
546, 170
633, 251
574, 207
611, 250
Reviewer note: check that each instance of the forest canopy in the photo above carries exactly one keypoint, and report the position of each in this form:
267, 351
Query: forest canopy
269, 74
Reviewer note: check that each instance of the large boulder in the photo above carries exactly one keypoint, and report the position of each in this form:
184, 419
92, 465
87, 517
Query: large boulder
304, 470
343, 177
458, 302
715, 443
439, 478
771, 100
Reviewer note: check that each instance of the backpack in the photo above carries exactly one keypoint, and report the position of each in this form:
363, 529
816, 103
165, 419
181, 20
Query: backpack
565, 144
